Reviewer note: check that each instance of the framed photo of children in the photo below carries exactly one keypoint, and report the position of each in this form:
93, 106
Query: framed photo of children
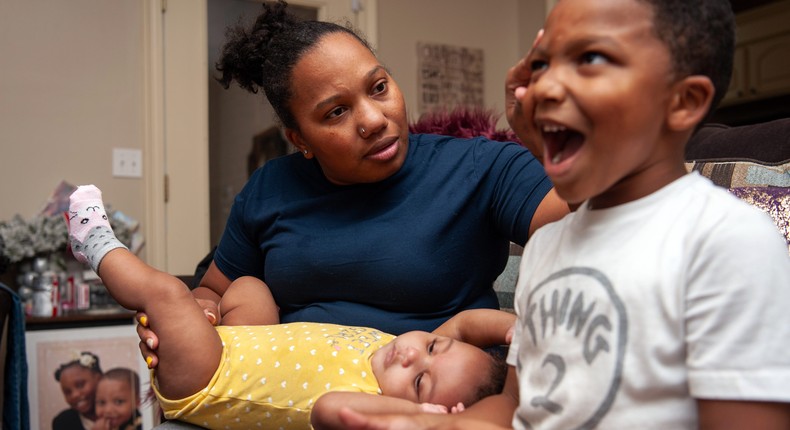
88, 378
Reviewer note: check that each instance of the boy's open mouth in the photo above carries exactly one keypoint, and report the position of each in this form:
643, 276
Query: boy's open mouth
561, 142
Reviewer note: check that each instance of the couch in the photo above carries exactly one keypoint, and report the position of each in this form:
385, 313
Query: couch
752, 161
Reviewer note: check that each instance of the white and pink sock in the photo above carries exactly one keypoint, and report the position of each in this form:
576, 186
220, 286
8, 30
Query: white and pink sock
89, 228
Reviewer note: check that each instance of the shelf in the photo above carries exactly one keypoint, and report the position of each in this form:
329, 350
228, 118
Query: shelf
91, 318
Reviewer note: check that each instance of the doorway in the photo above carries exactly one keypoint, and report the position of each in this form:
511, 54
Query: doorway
236, 116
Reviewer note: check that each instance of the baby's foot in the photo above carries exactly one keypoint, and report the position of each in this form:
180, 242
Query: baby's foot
90, 233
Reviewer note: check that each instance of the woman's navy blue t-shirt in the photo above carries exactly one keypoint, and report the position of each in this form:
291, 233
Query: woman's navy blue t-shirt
402, 254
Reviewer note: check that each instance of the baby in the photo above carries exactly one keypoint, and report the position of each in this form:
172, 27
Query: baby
118, 400
253, 371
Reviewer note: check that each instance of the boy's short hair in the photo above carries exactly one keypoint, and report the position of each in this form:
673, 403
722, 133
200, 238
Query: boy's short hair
700, 35
125, 374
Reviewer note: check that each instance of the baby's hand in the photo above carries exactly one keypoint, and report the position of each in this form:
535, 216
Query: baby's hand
457, 408
432, 408
101, 424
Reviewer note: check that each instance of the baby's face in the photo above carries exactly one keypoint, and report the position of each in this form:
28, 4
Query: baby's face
115, 400
426, 368
599, 98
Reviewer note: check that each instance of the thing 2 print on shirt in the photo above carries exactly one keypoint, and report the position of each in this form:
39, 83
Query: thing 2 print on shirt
575, 329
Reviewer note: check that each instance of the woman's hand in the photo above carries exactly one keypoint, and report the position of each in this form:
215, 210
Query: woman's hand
149, 342
516, 83
210, 310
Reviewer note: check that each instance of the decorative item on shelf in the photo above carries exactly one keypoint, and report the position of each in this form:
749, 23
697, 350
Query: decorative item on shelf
36, 250
26, 239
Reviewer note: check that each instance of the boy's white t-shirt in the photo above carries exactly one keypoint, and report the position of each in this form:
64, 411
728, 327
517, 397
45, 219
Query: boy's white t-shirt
627, 314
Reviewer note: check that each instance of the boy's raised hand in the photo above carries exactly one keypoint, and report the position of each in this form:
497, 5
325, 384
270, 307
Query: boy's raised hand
516, 83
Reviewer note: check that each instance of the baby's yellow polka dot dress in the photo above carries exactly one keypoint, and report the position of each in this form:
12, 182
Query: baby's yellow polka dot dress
270, 376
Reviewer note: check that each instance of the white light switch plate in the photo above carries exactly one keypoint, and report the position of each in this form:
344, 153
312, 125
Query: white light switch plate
127, 163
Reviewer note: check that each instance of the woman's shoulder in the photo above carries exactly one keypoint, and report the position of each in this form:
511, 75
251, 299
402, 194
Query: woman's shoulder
279, 174
479, 153
276, 166
479, 146
426, 139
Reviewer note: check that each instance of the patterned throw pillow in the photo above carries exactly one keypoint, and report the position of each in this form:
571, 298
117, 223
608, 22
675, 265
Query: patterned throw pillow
742, 173
763, 185
775, 201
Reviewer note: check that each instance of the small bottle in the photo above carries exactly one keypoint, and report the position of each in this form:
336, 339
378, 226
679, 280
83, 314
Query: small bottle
83, 293
67, 299
43, 299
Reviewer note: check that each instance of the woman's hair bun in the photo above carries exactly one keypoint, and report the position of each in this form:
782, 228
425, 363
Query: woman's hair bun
246, 50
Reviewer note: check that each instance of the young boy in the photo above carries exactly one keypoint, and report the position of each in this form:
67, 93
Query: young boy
253, 372
662, 301
118, 400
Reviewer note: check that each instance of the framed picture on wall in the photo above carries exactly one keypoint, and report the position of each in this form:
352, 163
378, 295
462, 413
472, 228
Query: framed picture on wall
84, 373
449, 76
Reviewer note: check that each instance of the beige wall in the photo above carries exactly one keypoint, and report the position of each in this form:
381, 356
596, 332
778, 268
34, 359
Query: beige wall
504, 29
70, 91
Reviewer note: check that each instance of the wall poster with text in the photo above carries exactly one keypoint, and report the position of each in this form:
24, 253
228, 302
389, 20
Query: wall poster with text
449, 76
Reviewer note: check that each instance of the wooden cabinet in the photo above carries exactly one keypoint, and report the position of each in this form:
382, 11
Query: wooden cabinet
762, 54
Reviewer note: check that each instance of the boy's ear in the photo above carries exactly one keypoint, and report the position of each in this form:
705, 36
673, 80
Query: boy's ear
690, 103
296, 140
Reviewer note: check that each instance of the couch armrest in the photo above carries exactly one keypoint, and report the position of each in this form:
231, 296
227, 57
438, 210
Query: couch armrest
766, 143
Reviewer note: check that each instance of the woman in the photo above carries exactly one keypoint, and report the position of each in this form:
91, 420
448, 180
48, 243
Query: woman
78, 379
367, 224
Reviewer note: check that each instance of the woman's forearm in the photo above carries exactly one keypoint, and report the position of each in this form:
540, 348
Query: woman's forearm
213, 285
479, 327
